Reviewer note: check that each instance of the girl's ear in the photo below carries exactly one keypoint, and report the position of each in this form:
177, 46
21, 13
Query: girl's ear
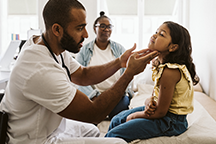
173, 47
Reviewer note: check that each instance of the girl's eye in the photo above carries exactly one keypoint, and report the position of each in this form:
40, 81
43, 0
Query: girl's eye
162, 34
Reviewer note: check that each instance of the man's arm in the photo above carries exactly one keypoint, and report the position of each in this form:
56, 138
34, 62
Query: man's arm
91, 75
83, 109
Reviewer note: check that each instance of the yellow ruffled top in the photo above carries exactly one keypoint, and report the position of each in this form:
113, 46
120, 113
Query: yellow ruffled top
182, 101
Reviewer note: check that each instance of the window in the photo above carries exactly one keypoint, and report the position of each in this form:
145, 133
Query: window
17, 17
136, 20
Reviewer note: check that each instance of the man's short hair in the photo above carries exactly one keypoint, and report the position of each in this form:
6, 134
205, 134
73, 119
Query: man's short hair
58, 11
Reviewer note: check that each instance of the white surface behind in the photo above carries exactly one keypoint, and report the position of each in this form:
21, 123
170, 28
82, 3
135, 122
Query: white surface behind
202, 28
8, 57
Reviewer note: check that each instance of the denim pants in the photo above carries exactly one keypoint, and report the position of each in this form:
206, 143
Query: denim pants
141, 128
121, 106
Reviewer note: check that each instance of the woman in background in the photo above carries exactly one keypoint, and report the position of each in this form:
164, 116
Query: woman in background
99, 51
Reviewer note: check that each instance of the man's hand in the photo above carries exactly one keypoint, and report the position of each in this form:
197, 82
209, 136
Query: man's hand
124, 57
138, 60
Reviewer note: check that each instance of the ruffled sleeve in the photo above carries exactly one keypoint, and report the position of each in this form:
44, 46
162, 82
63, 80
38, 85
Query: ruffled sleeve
157, 72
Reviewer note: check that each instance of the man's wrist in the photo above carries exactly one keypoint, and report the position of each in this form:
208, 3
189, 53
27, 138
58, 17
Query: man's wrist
94, 93
119, 62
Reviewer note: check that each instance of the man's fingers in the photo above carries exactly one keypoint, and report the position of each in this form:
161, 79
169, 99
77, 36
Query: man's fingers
133, 48
147, 55
147, 58
143, 51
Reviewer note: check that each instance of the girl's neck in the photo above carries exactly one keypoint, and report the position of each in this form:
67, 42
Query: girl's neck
162, 56
102, 45
160, 59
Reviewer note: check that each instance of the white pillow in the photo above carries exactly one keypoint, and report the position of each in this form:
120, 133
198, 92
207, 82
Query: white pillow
198, 88
144, 92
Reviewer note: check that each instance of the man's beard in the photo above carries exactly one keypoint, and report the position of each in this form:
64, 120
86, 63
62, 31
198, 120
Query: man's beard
68, 43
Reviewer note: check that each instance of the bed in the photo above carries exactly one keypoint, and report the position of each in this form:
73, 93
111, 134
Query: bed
202, 124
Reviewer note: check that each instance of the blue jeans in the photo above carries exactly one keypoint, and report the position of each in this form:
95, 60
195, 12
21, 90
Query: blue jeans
122, 105
141, 128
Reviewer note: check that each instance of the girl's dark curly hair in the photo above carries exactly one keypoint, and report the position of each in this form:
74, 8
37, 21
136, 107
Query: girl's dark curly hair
182, 55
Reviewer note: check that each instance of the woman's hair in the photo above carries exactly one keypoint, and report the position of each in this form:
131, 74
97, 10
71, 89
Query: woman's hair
59, 11
102, 15
182, 55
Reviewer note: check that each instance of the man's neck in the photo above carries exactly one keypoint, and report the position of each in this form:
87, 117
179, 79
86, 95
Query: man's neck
52, 42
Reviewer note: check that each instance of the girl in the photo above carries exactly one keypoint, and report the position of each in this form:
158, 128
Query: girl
174, 76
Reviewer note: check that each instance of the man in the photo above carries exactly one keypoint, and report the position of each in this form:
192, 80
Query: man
40, 91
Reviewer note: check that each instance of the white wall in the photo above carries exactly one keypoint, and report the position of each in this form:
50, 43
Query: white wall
3, 24
203, 33
91, 7
41, 4
0, 27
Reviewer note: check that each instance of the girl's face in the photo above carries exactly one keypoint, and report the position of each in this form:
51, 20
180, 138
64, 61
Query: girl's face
161, 40
103, 34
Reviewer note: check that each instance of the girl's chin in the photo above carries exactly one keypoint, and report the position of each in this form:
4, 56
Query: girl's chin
151, 48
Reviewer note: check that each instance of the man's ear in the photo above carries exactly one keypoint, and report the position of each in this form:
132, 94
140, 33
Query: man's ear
57, 29
173, 47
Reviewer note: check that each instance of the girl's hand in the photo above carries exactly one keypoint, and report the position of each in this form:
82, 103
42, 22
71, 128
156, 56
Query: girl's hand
135, 115
130, 117
150, 106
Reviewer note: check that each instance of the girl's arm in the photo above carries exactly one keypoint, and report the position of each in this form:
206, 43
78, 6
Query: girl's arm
150, 107
167, 85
